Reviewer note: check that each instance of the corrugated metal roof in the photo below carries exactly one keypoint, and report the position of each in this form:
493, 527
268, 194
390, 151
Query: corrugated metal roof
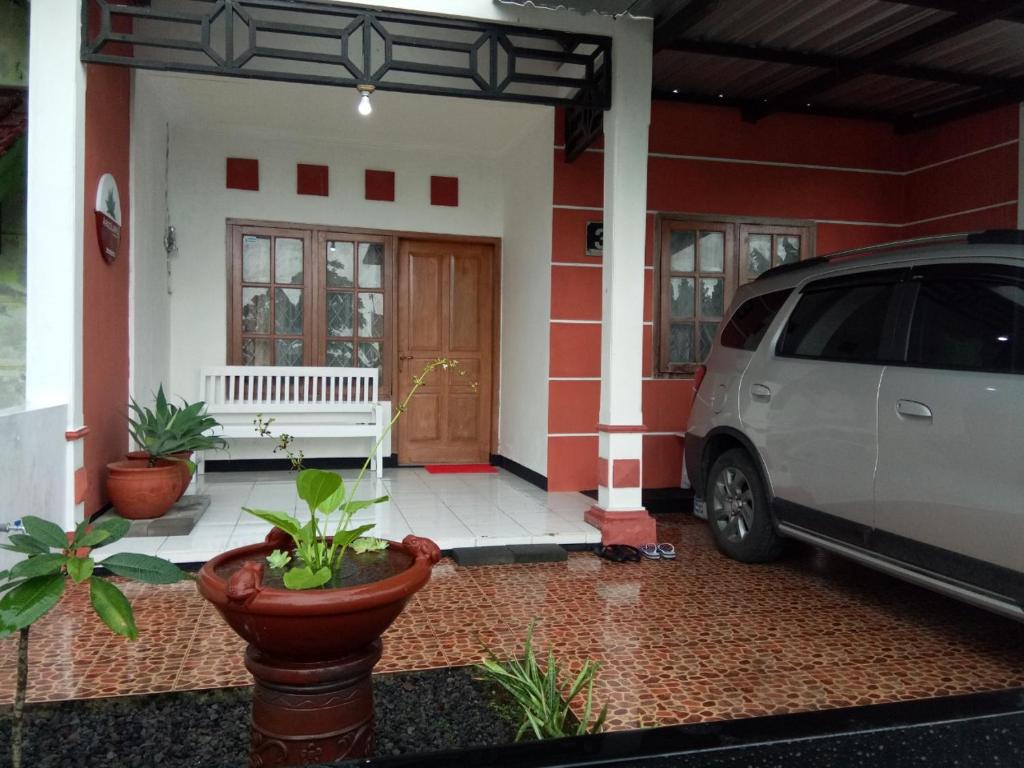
976, 65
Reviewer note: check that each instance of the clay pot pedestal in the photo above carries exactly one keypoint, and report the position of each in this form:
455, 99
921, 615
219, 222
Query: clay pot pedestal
311, 652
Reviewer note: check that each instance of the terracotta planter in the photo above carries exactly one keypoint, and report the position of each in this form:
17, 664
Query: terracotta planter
182, 464
311, 652
139, 491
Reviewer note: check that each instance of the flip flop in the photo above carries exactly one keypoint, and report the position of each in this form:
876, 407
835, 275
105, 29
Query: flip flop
666, 551
650, 551
618, 553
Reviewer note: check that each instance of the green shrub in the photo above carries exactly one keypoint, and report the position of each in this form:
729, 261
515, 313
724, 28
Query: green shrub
543, 700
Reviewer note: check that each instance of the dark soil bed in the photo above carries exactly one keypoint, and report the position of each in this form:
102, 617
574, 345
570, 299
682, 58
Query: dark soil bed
416, 712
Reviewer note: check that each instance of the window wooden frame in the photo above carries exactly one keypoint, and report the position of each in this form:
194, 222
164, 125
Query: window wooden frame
236, 285
737, 231
315, 289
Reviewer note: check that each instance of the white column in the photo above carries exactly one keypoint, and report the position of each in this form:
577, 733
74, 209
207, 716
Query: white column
619, 512
56, 137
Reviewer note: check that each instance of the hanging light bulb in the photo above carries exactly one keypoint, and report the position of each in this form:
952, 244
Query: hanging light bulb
365, 107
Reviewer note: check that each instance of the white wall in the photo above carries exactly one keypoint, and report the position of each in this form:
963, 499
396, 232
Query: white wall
526, 297
284, 124
150, 306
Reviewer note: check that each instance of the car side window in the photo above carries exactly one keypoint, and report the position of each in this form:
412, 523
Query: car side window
838, 322
971, 322
750, 321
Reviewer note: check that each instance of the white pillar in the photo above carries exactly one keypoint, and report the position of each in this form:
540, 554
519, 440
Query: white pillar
56, 137
619, 511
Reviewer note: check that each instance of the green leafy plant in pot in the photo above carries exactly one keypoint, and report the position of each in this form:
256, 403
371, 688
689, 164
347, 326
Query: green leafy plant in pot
54, 560
314, 621
151, 479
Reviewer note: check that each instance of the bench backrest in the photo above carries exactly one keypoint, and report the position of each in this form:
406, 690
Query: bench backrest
244, 388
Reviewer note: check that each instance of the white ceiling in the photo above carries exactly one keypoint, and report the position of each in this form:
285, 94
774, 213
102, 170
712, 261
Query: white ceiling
327, 113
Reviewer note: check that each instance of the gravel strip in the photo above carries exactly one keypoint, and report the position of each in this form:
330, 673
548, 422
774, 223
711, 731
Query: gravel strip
416, 712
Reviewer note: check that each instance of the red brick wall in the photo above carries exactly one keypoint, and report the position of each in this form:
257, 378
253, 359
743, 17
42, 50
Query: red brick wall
859, 181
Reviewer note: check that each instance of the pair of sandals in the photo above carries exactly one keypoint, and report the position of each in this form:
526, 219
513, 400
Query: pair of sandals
663, 551
623, 553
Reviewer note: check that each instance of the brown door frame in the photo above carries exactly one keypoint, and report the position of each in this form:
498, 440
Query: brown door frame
395, 236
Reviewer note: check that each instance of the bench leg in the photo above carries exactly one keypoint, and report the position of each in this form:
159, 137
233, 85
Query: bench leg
200, 463
379, 458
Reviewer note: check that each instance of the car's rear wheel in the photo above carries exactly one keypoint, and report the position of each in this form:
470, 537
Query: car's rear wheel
738, 512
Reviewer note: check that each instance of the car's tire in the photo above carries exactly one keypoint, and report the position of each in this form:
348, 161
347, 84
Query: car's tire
738, 511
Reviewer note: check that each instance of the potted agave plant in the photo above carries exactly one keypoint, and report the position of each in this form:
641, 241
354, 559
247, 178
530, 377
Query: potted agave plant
312, 601
148, 481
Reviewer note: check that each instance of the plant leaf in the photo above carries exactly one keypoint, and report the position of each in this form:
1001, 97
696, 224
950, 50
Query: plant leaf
80, 568
45, 532
354, 506
144, 568
116, 528
113, 608
304, 578
285, 522
93, 538
29, 600
344, 538
369, 544
315, 486
333, 501
38, 565
19, 542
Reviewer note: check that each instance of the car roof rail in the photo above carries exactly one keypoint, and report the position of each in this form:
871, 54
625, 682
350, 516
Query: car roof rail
997, 237
794, 266
985, 237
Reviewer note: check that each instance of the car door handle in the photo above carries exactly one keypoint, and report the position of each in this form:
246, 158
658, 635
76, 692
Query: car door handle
760, 391
913, 408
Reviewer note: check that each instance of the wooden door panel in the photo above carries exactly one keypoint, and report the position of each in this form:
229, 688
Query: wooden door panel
422, 421
463, 424
425, 299
445, 310
465, 325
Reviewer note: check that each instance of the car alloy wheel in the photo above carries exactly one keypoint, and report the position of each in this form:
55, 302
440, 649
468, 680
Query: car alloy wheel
732, 504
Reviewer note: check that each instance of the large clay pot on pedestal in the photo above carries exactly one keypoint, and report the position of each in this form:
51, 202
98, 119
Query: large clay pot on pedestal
139, 491
311, 652
180, 460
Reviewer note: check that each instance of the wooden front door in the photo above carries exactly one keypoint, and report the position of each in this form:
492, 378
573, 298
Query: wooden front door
445, 310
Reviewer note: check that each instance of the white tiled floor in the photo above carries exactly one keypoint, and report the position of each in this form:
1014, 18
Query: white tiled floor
453, 510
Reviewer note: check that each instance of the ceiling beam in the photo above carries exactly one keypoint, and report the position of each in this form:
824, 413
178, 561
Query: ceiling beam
678, 18
828, 61
977, 105
974, 15
849, 113
956, 6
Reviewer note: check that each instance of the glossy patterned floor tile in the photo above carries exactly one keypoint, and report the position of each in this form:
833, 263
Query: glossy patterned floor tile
701, 638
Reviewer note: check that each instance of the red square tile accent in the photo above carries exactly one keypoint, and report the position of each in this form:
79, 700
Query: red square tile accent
380, 185
626, 473
602, 471
444, 190
311, 179
243, 173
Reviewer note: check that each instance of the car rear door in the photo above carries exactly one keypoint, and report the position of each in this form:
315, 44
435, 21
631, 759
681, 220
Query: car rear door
949, 490
809, 402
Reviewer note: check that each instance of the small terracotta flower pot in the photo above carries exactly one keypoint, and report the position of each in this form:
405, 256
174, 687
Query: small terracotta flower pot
139, 491
182, 458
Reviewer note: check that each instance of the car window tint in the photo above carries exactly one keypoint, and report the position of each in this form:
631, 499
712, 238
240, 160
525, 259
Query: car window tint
838, 323
969, 324
749, 322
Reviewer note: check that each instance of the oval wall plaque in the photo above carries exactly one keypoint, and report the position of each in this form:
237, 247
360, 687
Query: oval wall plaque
108, 217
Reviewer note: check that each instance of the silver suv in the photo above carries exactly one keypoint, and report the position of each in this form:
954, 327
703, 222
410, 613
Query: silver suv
874, 406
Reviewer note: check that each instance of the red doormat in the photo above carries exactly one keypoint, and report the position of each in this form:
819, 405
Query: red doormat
459, 469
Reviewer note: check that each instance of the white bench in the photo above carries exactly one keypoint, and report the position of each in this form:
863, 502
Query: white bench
302, 401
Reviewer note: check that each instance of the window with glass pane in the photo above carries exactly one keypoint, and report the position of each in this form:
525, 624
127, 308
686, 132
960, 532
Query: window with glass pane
354, 306
763, 247
271, 316
695, 269
700, 264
